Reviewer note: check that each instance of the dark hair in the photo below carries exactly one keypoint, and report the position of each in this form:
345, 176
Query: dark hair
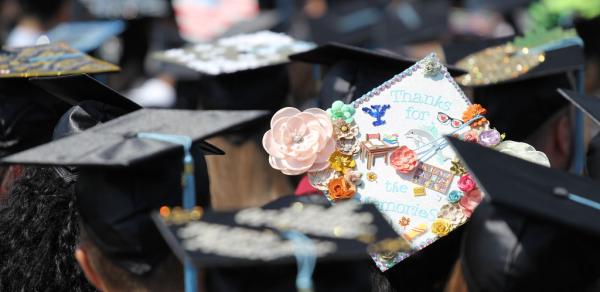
39, 232
167, 276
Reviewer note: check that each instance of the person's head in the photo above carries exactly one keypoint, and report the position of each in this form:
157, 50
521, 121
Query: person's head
106, 276
39, 232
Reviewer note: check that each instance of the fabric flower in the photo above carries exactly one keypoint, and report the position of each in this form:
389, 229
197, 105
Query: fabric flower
354, 177
454, 196
453, 213
403, 159
471, 136
466, 183
345, 130
473, 111
341, 162
347, 146
320, 179
490, 138
441, 227
340, 189
523, 151
469, 201
341, 111
299, 141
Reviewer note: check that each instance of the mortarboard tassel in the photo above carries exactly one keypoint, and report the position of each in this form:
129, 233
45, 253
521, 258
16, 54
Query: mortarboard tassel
189, 193
305, 253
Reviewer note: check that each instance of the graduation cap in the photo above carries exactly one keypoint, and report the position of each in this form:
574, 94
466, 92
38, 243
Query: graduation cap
86, 36
354, 71
536, 191
532, 215
49, 60
528, 93
233, 70
283, 232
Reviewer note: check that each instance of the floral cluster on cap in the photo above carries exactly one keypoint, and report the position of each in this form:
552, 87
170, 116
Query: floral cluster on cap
322, 143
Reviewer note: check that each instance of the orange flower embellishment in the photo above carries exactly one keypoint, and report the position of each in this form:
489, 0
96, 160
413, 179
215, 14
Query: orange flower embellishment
340, 189
404, 221
473, 111
403, 159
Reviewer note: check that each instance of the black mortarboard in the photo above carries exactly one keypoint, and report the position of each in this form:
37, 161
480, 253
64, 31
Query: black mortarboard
354, 71
128, 168
258, 238
534, 191
517, 240
76, 88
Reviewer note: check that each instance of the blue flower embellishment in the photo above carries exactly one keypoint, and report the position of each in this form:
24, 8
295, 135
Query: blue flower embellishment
454, 196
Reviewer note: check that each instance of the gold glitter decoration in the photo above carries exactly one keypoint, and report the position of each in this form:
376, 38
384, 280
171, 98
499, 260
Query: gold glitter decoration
497, 64
49, 60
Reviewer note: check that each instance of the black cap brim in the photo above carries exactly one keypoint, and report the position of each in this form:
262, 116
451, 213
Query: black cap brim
77, 88
334, 52
589, 105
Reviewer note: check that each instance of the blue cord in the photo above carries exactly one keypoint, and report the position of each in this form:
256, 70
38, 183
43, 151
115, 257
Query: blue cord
436, 145
55, 58
306, 257
584, 201
189, 193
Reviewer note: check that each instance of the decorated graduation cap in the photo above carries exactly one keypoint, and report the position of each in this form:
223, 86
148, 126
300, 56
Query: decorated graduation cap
49, 60
233, 70
131, 166
353, 71
126, 9
388, 148
28, 111
86, 36
289, 230
532, 215
521, 77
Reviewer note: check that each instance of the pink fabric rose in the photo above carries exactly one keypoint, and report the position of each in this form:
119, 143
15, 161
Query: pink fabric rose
470, 201
403, 159
466, 183
471, 136
299, 141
